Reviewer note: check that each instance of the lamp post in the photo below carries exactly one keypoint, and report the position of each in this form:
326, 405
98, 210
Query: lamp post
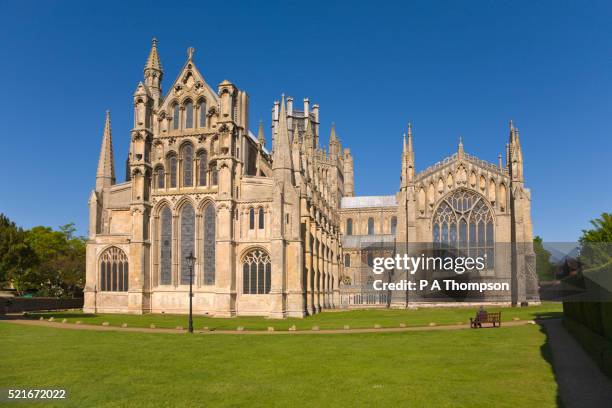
190, 262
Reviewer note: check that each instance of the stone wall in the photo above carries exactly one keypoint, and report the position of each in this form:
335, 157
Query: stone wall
16, 305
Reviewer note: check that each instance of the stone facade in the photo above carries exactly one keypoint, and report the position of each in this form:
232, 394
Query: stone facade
264, 227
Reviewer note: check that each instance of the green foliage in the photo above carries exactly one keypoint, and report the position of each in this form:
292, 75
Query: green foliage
595, 244
544, 267
50, 262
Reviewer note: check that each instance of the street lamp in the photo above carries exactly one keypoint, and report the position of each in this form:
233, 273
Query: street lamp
190, 262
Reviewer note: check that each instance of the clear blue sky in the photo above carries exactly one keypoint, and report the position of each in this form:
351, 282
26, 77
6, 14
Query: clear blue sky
452, 68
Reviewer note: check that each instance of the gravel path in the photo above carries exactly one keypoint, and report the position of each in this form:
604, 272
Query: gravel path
581, 383
59, 325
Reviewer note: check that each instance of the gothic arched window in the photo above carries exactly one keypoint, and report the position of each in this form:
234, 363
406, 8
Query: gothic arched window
463, 221
393, 225
202, 166
347, 261
187, 163
261, 218
370, 226
349, 226
256, 272
159, 173
165, 246
209, 236
214, 176
176, 116
187, 236
172, 169
202, 122
252, 218
188, 115
113, 270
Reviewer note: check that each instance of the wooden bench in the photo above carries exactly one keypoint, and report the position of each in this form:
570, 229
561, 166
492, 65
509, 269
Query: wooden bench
493, 318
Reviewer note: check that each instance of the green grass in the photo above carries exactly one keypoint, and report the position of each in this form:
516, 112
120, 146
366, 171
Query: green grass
327, 320
459, 368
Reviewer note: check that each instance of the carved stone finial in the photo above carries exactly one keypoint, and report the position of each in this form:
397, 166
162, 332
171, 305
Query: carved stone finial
190, 52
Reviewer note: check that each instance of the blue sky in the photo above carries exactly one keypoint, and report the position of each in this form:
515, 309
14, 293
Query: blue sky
452, 68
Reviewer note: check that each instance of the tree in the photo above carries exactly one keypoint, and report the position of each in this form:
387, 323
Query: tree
17, 260
595, 243
544, 267
61, 269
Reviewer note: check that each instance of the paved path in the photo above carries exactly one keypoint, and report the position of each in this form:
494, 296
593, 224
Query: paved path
581, 383
59, 325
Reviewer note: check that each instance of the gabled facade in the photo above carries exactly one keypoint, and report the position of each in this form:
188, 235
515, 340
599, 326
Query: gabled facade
263, 226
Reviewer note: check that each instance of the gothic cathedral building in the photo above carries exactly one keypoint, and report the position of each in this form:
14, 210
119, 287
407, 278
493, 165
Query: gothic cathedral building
280, 233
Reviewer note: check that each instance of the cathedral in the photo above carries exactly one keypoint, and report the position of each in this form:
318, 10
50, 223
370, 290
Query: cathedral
281, 233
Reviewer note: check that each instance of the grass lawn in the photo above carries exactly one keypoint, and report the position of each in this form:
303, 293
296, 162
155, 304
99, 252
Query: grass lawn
416, 369
366, 318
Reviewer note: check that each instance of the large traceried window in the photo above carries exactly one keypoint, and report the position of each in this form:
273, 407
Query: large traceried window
202, 166
202, 121
349, 226
188, 115
187, 236
463, 221
208, 245
176, 116
187, 163
113, 270
256, 272
165, 246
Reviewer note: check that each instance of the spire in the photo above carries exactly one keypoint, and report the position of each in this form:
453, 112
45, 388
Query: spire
260, 134
332, 135
153, 61
153, 74
281, 159
511, 132
105, 176
410, 137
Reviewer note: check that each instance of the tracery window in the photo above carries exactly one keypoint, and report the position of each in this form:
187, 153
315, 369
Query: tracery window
165, 246
349, 226
209, 243
189, 115
113, 270
256, 272
464, 221
202, 122
347, 260
187, 163
202, 165
187, 236
176, 116
370, 226
393, 225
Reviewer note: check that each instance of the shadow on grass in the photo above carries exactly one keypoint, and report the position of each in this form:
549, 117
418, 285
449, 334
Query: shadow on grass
546, 352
